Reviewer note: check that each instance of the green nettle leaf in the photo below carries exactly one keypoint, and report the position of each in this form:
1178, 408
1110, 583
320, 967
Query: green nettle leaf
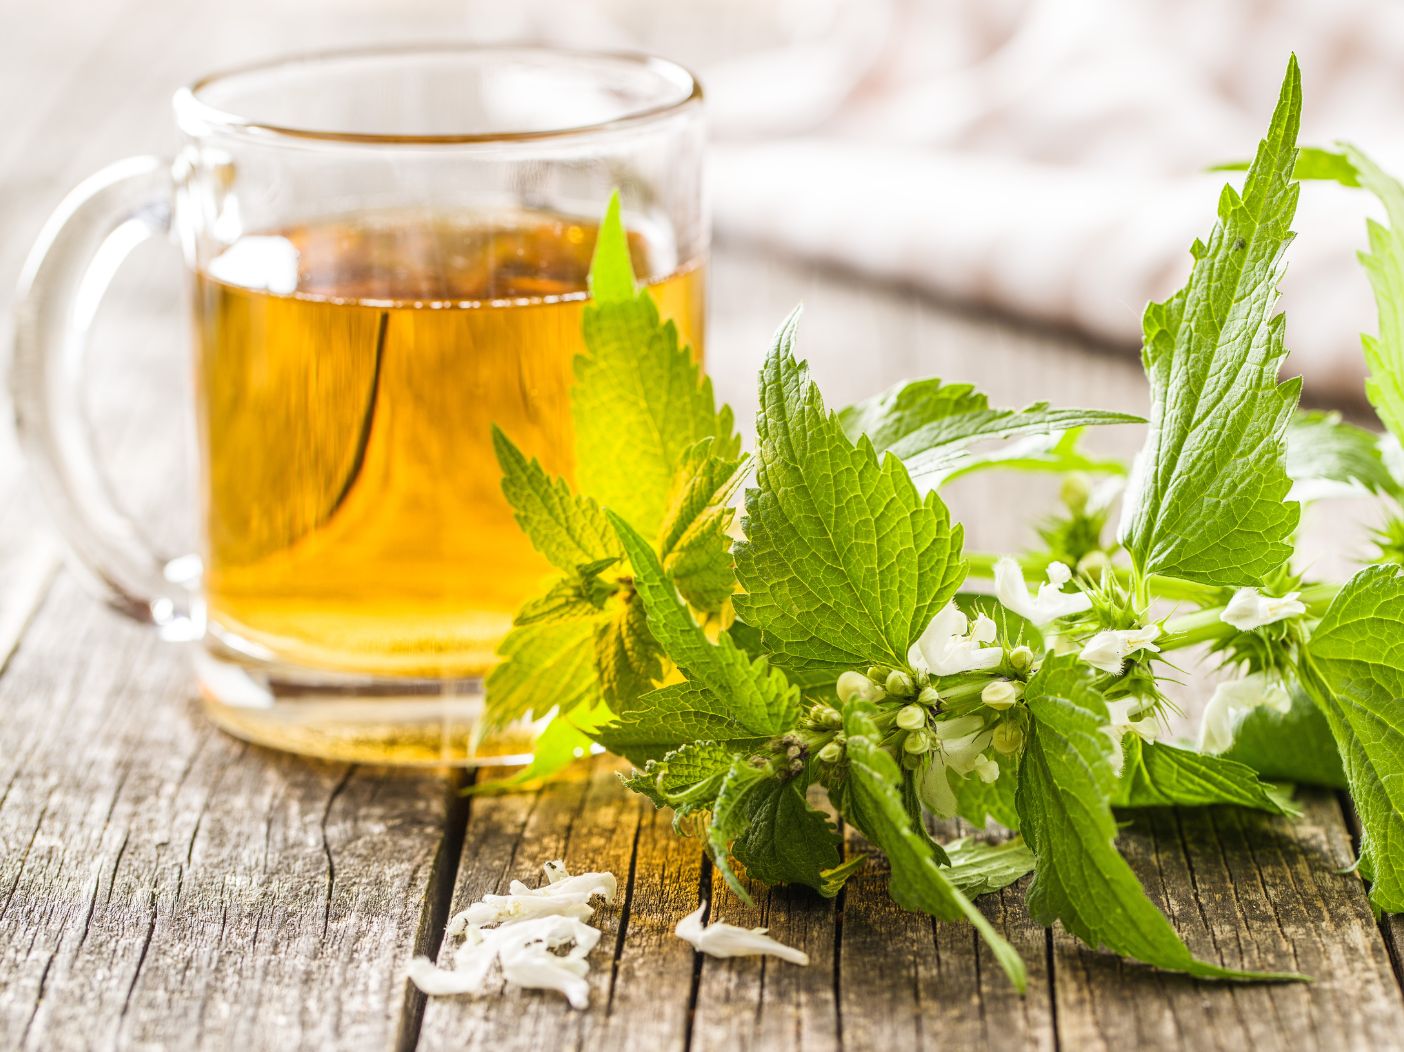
1295, 746
843, 564
546, 664
626, 656
567, 529
1066, 784
1326, 456
1384, 265
640, 400
980, 802
931, 425
728, 695
775, 834
1158, 775
694, 541
980, 868
1354, 666
874, 803
1206, 499
579, 594
686, 779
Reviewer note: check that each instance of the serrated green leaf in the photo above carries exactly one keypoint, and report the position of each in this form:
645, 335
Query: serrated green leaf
754, 696
626, 655
1326, 456
1064, 797
694, 540
931, 425
1295, 746
686, 779
654, 724
569, 530
640, 400
545, 665
611, 278
579, 594
1354, 667
780, 839
1206, 498
1155, 774
873, 803
843, 564
980, 868
1384, 265
980, 802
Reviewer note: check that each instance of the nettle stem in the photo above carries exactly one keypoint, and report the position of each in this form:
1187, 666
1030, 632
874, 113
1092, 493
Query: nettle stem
1168, 588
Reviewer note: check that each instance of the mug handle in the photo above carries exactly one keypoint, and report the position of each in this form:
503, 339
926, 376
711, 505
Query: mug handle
69, 269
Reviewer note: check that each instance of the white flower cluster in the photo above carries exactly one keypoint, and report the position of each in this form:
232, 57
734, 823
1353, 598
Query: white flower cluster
1133, 715
1232, 702
1109, 650
720, 939
1049, 604
524, 932
951, 645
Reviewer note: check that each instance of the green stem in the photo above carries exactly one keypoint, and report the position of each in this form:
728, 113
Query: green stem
981, 566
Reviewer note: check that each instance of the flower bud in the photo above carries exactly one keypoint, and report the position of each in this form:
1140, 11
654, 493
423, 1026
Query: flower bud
899, 684
911, 717
987, 769
999, 695
917, 743
1022, 658
855, 685
910, 762
877, 673
831, 753
1008, 738
929, 697
826, 716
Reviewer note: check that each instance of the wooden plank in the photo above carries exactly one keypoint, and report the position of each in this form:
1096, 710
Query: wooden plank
1252, 891
162, 885
641, 974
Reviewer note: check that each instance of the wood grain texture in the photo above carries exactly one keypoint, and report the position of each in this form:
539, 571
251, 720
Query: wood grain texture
162, 885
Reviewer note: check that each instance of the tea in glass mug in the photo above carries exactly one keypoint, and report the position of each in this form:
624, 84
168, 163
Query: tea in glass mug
389, 252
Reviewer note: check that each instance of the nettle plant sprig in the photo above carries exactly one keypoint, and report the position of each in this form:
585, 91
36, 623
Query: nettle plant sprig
846, 648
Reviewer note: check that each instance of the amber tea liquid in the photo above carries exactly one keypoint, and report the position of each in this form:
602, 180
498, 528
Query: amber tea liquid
354, 518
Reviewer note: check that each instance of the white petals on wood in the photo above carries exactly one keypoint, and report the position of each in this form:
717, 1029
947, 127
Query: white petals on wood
720, 939
537, 937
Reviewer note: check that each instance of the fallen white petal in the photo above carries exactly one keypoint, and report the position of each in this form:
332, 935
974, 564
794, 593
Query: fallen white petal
539, 969
440, 982
602, 884
495, 909
720, 939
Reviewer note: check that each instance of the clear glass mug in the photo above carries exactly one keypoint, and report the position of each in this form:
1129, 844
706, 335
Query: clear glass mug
388, 252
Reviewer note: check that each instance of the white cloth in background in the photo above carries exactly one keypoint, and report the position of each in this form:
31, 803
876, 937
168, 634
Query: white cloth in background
1040, 156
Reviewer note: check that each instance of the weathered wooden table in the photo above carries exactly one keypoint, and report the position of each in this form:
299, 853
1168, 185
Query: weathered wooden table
165, 886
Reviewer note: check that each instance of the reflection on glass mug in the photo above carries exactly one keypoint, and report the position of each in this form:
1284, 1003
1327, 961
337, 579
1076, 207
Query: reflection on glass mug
388, 253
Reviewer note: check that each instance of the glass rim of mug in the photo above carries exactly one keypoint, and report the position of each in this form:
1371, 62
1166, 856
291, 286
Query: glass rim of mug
194, 111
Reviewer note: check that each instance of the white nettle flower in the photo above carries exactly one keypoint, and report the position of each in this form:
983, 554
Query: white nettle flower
951, 645
1233, 701
719, 939
1250, 609
1109, 650
1129, 716
1051, 602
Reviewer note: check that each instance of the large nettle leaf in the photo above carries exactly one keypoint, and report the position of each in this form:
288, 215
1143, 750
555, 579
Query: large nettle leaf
1066, 788
1206, 500
641, 401
1354, 666
843, 564
1155, 774
932, 426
